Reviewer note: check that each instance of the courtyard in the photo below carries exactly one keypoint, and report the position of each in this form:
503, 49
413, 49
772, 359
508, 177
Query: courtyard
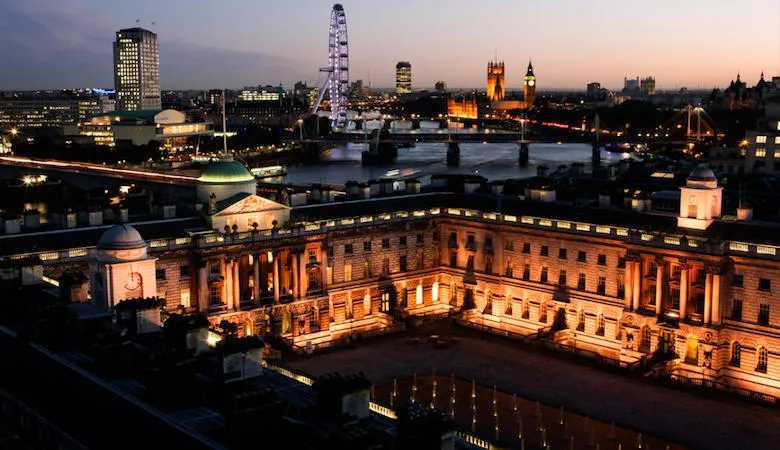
628, 401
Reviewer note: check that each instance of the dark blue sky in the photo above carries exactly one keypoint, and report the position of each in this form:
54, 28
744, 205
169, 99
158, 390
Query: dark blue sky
233, 43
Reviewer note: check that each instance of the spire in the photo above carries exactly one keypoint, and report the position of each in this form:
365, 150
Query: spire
530, 72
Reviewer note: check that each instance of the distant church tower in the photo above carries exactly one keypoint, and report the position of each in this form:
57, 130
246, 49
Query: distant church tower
495, 81
529, 87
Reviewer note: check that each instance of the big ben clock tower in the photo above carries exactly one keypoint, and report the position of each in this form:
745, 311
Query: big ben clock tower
529, 87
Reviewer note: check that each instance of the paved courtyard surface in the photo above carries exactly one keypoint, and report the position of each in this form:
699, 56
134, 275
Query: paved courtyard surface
691, 420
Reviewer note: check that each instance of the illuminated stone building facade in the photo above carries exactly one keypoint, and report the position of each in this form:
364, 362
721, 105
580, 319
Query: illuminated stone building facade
697, 297
464, 107
495, 81
529, 87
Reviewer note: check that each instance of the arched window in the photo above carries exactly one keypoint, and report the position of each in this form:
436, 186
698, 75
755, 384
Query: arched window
736, 354
644, 341
581, 320
419, 295
762, 360
601, 324
367, 304
435, 292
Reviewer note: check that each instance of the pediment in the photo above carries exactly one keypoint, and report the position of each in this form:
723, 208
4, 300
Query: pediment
250, 204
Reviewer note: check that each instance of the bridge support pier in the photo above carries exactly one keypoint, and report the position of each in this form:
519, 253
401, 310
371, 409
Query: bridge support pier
522, 154
595, 156
415, 124
358, 125
444, 124
453, 154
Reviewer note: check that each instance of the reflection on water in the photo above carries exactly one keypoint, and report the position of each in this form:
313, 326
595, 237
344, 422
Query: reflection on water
495, 161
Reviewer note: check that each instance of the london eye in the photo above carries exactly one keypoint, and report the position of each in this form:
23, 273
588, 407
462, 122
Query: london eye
337, 80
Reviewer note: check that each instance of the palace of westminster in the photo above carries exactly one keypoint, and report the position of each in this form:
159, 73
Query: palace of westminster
693, 287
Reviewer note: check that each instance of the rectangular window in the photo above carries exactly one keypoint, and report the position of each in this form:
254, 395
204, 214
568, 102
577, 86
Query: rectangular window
402, 263
385, 243
602, 286
777, 139
621, 290
737, 280
736, 309
510, 268
453, 259
420, 260
543, 275
602, 260
470, 242
367, 246
347, 249
526, 272
329, 274
420, 239
488, 265
581, 282
562, 278
621, 263
764, 284
760, 152
509, 245
160, 274
470, 264
402, 241
215, 297
582, 257
366, 269
185, 297
675, 293
527, 248
184, 271
763, 314
386, 266
760, 139
777, 154
347, 272
561, 253
699, 299
544, 251
436, 236
312, 256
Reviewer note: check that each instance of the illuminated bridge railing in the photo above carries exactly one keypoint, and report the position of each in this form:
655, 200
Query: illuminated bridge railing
614, 233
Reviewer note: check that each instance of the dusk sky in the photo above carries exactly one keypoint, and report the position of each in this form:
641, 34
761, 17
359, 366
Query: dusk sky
235, 43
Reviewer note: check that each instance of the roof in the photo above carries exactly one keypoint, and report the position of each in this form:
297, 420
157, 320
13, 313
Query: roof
702, 173
121, 237
226, 172
144, 114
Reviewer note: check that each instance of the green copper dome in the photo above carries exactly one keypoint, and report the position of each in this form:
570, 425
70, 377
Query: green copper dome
226, 172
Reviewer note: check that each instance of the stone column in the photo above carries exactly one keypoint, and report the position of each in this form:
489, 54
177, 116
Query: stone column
256, 277
636, 286
276, 277
263, 272
236, 284
302, 277
659, 287
707, 299
227, 285
295, 277
324, 263
203, 287
683, 291
716, 310
628, 278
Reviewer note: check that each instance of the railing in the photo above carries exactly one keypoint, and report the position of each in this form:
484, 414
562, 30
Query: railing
646, 238
706, 385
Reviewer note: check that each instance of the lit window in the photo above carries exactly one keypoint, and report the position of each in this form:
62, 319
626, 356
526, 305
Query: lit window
760, 139
419, 295
760, 152
347, 272
185, 298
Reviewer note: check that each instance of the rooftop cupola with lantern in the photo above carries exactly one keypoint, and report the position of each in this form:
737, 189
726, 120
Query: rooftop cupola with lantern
700, 199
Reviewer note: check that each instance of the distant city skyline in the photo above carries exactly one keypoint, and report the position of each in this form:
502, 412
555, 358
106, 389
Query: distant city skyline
696, 44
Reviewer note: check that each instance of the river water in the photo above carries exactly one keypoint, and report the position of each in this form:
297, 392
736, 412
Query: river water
494, 161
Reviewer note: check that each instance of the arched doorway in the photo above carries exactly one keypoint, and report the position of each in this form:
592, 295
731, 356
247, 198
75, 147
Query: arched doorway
692, 350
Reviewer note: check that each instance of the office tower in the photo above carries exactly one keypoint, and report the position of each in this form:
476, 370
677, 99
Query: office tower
403, 78
137, 70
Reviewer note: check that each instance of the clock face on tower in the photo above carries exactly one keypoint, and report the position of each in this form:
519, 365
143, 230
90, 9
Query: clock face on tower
133, 281
531, 82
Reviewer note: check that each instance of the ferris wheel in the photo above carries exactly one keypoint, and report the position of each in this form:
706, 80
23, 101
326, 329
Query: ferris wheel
337, 80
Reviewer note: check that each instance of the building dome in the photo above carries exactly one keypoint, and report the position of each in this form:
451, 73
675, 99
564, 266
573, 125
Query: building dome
226, 172
121, 237
702, 173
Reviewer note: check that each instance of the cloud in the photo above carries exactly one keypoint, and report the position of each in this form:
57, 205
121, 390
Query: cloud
71, 46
